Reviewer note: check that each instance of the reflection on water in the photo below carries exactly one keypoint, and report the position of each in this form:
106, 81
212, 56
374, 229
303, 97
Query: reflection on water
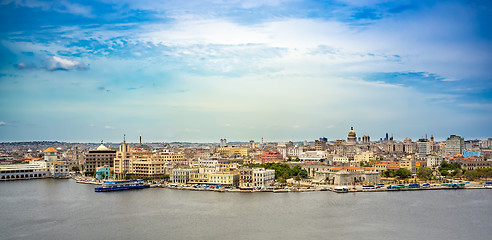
63, 209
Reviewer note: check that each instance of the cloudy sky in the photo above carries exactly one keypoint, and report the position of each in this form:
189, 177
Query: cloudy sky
282, 70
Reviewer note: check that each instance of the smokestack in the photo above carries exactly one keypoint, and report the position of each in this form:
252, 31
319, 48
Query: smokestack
140, 140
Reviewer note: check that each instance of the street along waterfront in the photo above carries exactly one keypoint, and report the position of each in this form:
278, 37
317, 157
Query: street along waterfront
62, 209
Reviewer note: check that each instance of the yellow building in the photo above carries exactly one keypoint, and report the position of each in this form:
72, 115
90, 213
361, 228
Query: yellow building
169, 157
232, 150
224, 177
367, 156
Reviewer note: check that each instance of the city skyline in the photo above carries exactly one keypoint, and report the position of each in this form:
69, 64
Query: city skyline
199, 71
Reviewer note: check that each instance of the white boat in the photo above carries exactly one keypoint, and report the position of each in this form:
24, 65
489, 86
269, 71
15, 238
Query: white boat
342, 189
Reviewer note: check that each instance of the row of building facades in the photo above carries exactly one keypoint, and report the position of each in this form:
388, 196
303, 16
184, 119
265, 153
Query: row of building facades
336, 162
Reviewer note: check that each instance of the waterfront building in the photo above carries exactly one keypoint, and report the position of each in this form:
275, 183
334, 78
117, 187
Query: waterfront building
149, 167
202, 176
35, 169
225, 178
257, 178
271, 156
100, 157
454, 145
104, 172
57, 168
348, 175
182, 176
246, 177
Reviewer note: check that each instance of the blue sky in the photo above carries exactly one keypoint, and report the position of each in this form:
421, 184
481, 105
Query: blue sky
282, 70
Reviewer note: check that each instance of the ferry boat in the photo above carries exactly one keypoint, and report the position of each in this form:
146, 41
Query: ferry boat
121, 185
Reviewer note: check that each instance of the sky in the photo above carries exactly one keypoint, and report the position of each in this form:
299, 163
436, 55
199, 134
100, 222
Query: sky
199, 71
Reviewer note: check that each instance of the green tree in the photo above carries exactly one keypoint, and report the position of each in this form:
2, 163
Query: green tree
403, 173
444, 172
75, 168
424, 173
164, 177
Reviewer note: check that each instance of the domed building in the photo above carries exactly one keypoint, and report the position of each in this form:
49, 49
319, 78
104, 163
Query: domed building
100, 157
352, 138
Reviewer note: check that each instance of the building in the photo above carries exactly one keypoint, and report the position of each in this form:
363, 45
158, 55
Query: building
100, 157
35, 169
367, 156
423, 146
104, 172
271, 156
56, 167
202, 176
434, 161
408, 163
316, 156
454, 145
348, 176
232, 151
225, 178
256, 178
352, 138
182, 176
366, 139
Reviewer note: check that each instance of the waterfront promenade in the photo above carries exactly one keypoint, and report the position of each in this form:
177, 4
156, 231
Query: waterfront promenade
352, 188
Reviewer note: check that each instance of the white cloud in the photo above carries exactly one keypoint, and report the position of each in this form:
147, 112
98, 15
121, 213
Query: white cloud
58, 63
3, 123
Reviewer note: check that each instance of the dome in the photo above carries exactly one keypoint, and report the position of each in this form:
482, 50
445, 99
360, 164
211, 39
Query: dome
351, 132
50, 150
102, 148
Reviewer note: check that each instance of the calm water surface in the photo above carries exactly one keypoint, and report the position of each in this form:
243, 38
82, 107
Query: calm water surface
63, 209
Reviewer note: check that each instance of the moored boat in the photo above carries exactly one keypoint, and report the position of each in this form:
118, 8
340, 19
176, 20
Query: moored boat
121, 185
339, 189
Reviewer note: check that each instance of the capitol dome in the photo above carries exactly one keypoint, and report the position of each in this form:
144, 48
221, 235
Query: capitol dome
351, 139
351, 132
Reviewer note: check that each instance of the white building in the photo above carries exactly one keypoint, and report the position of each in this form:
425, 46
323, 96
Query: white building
263, 178
57, 168
182, 175
424, 148
454, 145
434, 161
316, 156
35, 169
